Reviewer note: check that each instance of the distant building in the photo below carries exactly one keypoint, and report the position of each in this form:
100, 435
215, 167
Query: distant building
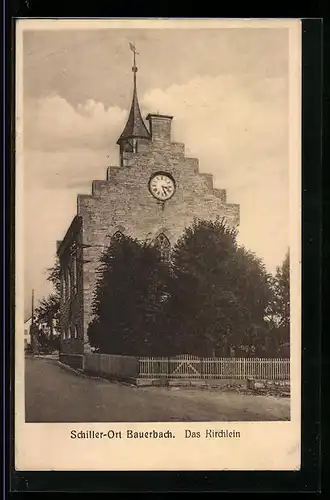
154, 193
27, 333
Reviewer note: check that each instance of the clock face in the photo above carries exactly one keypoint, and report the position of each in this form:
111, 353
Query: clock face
162, 186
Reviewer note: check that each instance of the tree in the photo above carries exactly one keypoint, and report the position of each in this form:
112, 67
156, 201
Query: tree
54, 277
48, 310
130, 292
279, 309
219, 292
282, 293
44, 342
254, 293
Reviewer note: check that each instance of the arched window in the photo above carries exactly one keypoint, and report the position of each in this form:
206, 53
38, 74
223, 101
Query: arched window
74, 272
117, 236
68, 277
63, 294
164, 246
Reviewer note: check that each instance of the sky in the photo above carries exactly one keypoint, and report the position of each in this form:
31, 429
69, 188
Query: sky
227, 90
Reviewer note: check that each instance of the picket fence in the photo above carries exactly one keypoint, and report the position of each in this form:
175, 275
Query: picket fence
192, 367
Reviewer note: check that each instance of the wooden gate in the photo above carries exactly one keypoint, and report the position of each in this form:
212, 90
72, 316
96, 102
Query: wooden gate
185, 367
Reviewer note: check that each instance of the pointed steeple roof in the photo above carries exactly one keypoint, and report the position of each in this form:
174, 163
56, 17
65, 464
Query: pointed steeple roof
135, 127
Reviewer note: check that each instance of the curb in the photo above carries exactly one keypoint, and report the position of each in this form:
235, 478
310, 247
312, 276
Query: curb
77, 371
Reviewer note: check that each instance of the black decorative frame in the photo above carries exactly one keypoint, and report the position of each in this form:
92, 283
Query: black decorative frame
308, 479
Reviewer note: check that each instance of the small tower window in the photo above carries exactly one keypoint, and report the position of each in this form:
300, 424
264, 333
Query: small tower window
164, 246
134, 145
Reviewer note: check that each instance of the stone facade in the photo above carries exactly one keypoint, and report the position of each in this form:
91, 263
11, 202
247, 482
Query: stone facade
71, 325
123, 203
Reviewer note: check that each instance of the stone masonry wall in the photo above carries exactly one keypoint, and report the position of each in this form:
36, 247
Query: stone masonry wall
123, 202
71, 323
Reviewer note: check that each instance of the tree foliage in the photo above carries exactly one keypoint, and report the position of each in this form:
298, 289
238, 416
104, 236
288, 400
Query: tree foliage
279, 309
54, 277
219, 291
45, 343
131, 289
281, 303
211, 295
48, 311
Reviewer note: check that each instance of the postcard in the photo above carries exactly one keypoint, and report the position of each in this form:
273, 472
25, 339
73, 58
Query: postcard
158, 244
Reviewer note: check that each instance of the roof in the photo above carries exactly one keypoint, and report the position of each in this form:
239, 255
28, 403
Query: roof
68, 238
135, 126
157, 115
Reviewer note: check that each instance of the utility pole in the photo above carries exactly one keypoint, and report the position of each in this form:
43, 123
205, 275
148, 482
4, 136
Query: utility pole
32, 308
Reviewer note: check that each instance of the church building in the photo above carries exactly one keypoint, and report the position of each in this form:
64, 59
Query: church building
154, 193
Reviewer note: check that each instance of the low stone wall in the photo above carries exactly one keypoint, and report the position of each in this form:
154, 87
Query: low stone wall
111, 366
275, 385
278, 387
74, 360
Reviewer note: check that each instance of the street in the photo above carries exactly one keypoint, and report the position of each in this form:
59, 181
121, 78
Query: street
57, 394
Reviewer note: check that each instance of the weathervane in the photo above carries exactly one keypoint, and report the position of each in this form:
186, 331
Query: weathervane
133, 49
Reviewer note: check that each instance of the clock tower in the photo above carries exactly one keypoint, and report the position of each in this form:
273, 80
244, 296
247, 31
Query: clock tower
154, 193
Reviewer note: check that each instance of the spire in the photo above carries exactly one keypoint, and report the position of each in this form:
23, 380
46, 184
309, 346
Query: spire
135, 127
